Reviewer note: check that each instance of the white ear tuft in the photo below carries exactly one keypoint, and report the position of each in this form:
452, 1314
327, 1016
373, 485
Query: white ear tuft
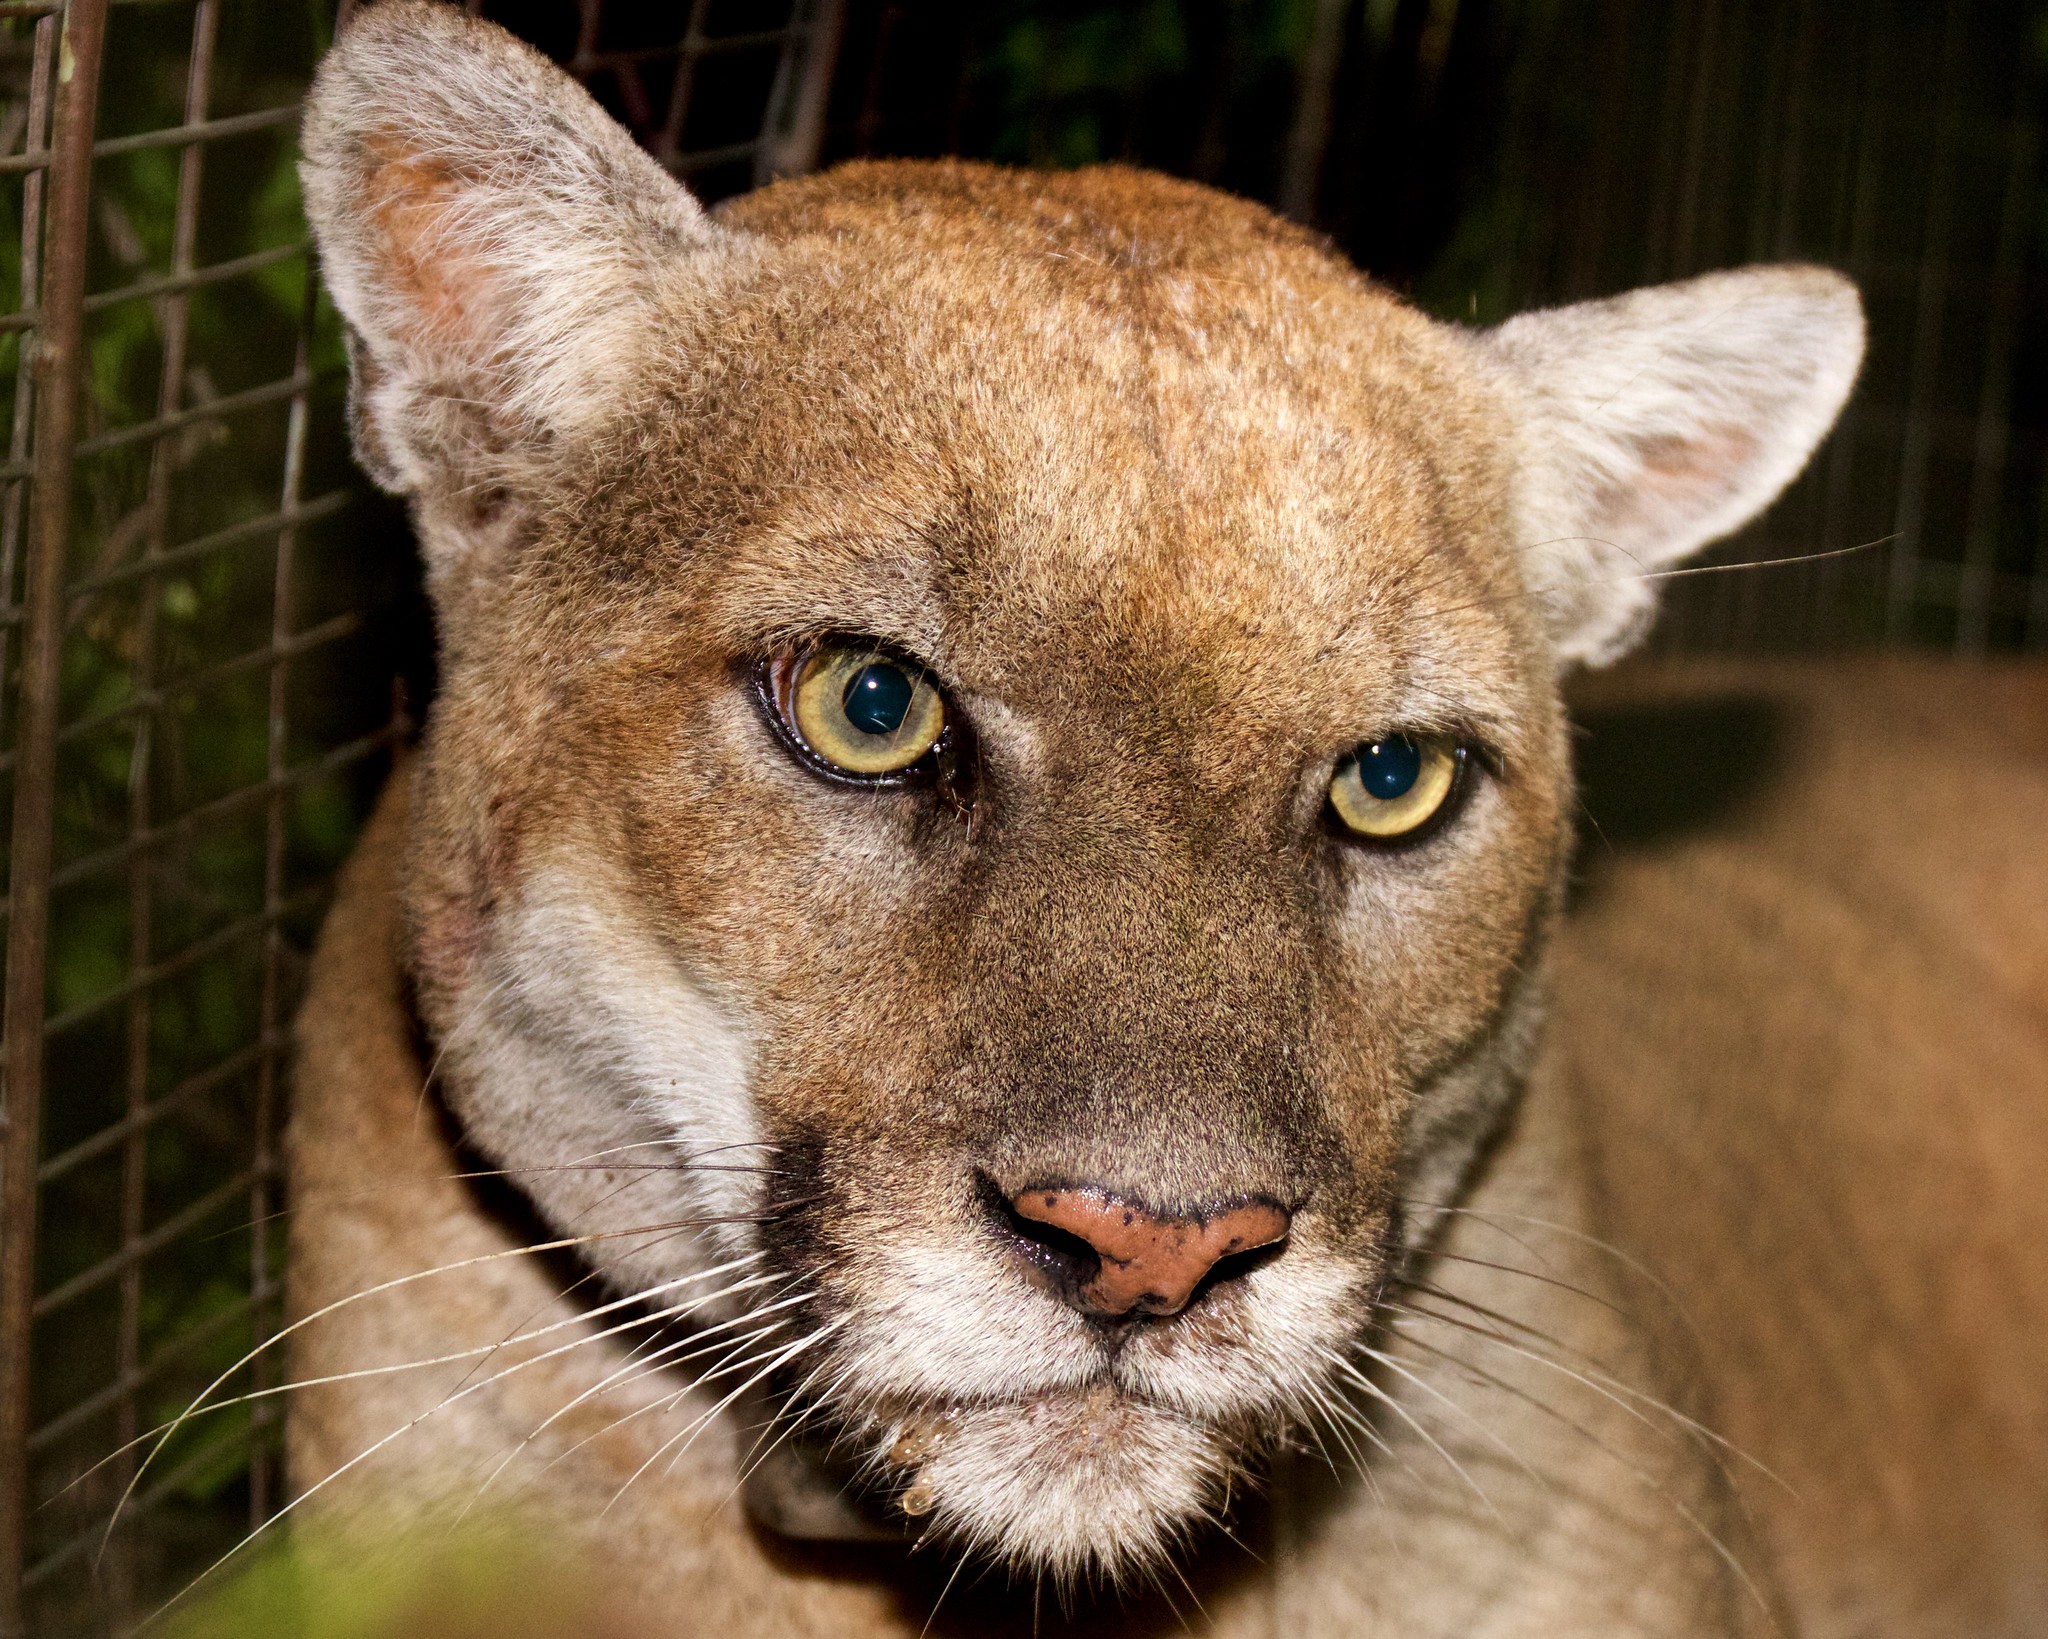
497, 245
1654, 423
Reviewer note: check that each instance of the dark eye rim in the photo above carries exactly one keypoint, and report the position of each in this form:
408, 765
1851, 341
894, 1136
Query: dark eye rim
774, 677
1464, 754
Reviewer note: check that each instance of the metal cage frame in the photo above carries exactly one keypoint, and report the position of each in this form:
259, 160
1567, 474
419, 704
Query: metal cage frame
56, 1584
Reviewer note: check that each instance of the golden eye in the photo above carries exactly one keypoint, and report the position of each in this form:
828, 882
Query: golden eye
861, 711
1388, 788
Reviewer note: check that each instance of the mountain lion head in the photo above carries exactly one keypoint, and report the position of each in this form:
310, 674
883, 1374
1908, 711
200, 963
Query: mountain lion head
998, 787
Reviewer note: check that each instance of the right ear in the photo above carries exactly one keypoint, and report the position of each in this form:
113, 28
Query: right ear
499, 247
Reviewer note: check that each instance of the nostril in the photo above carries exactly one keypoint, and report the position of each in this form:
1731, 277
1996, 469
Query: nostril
1069, 1261
1110, 1256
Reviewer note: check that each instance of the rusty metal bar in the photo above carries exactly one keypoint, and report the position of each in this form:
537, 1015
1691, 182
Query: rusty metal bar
166, 285
1981, 527
233, 125
143, 432
141, 870
40, 75
1876, 110
49, 529
689, 54
87, 1540
193, 1086
332, 630
144, 1246
264, 1284
202, 546
229, 404
97, 1404
177, 830
208, 945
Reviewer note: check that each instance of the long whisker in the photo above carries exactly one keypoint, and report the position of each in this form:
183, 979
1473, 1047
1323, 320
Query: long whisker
688, 1434
731, 1359
1571, 1232
1531, 1274
1394, 1405
636, 1369
800, 1346
378, 1445
639, 1365
965, 1555
449, 1359
470, 1015
757, 1454
393, 1284
1678, 1506
592, 1274
1622, 1394
1685, 572
1382, 1358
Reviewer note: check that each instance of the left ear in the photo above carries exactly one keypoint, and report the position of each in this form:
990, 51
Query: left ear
1653, 423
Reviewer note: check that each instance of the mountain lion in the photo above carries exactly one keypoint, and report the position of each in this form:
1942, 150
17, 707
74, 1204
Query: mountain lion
953, 1010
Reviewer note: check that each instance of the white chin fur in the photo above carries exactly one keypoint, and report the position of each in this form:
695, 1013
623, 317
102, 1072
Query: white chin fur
1074, 1485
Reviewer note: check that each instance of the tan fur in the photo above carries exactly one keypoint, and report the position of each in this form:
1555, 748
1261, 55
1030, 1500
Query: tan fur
1177, 509
1812, 1042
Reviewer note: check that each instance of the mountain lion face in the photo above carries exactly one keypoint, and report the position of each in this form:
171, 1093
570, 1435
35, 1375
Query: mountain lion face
998, 786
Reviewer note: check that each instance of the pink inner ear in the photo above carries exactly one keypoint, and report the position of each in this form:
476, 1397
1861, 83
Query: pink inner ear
412, 200
1682, 480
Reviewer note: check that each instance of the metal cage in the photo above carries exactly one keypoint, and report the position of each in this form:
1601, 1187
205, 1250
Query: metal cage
201, 609
197, 706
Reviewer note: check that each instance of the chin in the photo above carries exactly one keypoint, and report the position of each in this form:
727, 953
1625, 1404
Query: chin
1077, 1485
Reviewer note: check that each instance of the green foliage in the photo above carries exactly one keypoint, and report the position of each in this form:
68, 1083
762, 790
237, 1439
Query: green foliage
489, 1584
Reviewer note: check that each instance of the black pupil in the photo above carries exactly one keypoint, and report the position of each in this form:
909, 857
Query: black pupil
1389, 768
877, 698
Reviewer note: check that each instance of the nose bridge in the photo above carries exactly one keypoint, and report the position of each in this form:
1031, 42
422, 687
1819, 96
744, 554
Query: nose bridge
1149, 1025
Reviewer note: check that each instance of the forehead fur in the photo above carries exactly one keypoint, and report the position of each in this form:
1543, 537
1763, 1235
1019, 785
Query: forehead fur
992, 416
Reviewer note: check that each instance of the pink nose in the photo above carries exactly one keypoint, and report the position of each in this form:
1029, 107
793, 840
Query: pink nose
1143, 1260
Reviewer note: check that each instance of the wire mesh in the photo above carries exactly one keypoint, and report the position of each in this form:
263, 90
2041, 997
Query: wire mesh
1485, 156
198, 709
1898, 143
190, 798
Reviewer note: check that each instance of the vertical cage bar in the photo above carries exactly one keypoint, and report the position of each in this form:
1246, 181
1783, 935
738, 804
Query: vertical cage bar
83, 33
1308, 139
2034, 629
263, 1280
794, 126
688, 55
142, 868
1861, 186
35, 137
1981, 527
1902, 595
